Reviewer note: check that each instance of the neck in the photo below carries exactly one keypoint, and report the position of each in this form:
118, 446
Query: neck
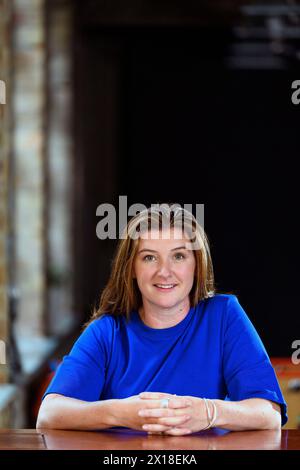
158, 317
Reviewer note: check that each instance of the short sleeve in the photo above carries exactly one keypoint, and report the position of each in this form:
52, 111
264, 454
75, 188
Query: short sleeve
247, 368
81, 374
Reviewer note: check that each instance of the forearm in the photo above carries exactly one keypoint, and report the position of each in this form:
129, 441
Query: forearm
253, 413
61, 412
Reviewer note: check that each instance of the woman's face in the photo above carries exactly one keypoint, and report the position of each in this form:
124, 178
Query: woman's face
164, 268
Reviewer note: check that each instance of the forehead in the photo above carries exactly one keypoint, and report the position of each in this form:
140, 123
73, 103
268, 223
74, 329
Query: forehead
169, 237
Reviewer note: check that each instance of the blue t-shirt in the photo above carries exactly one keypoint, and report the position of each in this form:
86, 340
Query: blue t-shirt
214, 352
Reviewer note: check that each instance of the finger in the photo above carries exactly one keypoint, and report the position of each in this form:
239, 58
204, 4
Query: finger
169, 422
155, 427
173, 403
162, 413
179, 403
154, 395
157, 412
177, 431
174, 422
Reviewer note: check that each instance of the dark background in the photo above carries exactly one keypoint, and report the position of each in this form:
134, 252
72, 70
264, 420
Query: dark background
172, 105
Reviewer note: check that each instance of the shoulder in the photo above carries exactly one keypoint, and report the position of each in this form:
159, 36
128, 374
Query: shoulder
102, 332
105, 323
225, 307
222, 301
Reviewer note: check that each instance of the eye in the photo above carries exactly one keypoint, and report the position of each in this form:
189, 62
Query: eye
148, 258
179, 256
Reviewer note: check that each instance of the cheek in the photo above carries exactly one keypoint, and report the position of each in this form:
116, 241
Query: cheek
143, 272
188, 270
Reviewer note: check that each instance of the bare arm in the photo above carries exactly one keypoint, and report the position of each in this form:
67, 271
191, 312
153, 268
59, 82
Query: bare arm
253, 413
250, 414
60, 412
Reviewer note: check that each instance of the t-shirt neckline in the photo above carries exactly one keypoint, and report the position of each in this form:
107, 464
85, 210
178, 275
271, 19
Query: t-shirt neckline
150, 332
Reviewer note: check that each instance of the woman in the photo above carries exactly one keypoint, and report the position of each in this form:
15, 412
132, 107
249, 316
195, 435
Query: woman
164, 353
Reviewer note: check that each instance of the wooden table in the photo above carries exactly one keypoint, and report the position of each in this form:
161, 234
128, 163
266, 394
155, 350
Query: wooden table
125, 439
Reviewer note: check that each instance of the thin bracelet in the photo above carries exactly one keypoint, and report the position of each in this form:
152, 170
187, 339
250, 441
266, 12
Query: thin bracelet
207, 410
208, 414
215, 413
211, 420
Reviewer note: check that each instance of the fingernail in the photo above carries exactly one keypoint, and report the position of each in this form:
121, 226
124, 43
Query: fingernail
141, 413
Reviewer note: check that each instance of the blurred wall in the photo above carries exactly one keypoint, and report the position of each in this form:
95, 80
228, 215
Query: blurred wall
180, 107
5, 101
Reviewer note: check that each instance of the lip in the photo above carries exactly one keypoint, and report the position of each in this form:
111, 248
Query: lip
162, 289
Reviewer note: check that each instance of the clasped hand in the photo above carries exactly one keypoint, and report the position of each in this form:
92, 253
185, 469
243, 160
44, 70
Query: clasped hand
184, 415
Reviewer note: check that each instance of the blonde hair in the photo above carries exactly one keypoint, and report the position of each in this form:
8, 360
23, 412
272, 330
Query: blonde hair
121, 294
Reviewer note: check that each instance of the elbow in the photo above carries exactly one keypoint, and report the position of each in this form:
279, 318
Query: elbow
45, 419
40, 424
270, 415
274, 421
274, 426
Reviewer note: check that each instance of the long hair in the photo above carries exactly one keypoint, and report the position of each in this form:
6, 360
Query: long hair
121, 294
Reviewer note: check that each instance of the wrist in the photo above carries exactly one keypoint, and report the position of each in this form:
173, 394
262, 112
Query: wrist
219, 421
211, 413
109, 411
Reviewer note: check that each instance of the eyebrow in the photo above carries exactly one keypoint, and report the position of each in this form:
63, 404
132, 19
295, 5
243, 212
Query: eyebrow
153, 251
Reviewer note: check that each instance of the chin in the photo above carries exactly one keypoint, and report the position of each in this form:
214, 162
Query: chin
169, 304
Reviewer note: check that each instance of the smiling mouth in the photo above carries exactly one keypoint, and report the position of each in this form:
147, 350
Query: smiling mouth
165, 287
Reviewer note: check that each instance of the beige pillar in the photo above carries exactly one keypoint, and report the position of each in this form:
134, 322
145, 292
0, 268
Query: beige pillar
4, 158
29, 157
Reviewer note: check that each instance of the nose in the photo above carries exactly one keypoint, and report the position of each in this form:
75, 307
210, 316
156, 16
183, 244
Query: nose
164, 269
